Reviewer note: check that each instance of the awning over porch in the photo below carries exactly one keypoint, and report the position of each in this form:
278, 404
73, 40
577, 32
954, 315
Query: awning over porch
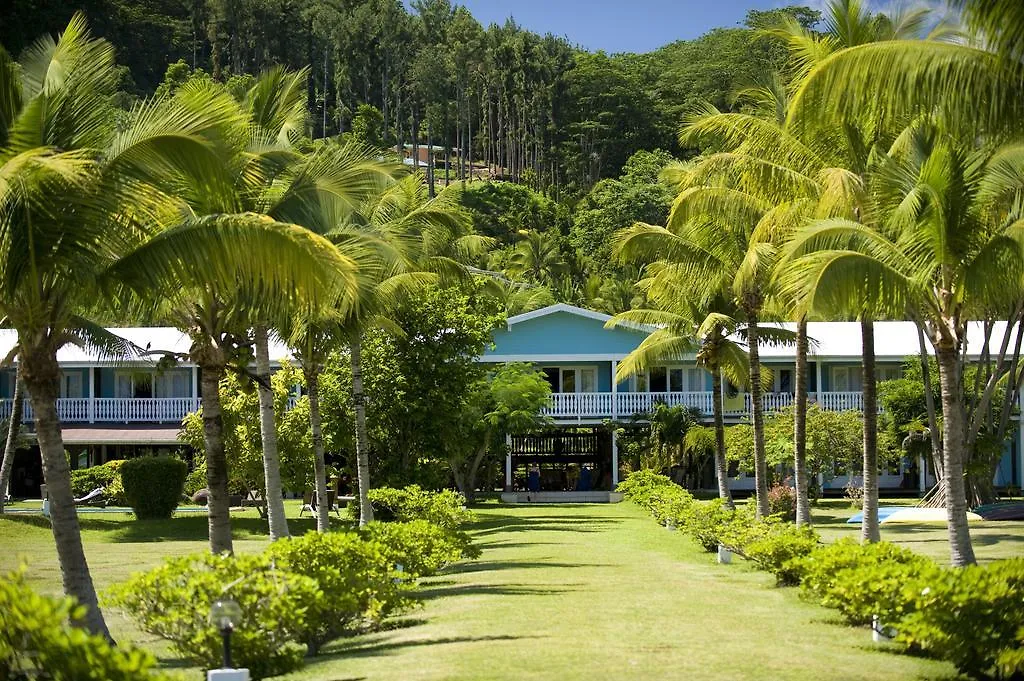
124, 435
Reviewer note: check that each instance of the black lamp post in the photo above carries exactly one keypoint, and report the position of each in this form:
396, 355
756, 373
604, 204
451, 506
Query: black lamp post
226, 615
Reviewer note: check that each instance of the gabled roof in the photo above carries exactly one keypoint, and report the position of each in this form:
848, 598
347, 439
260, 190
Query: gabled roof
574, 310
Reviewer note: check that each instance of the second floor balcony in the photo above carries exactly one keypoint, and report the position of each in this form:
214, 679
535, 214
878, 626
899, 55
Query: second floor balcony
625, 405
114, 409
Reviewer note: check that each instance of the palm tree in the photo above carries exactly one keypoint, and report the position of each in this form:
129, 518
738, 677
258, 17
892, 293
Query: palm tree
75, 194
948, 250
683, 329
537, 258
216, 268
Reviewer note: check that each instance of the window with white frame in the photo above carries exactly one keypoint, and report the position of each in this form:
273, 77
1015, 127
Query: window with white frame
572, 379
133, 384
171, 384
71, 384
846, 379
669, 379
888, 372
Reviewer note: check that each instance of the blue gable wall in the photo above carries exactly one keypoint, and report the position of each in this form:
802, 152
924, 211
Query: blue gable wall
563, 333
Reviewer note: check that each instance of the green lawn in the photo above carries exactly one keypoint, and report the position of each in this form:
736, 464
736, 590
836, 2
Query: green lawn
561, 592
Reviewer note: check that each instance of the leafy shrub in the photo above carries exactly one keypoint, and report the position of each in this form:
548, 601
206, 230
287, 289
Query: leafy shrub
862, 580
107, 476
669, 505
706, 521
419, 547
358, 582
153, 485
641, 486
779, 550
782, 502
970, 616
196, 479
36, 641
445, 508
173, 601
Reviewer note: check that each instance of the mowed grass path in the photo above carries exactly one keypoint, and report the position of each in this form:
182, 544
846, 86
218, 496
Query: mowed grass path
561, 592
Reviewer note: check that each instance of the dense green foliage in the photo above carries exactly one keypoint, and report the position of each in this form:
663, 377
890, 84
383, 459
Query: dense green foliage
357, 583
173, 602
537, 109
153, 485
419, 548
240, 413
445, 509
38, 641
107, 476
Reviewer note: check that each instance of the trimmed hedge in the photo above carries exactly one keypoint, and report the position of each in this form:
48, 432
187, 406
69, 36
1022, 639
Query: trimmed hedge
173, 601
969, 616
107, 476
153, 485
445, 508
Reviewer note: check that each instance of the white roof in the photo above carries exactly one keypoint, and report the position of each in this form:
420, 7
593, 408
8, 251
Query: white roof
893, 340
157, 339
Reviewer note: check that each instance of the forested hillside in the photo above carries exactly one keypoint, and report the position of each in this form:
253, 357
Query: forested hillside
535, 108
580, 137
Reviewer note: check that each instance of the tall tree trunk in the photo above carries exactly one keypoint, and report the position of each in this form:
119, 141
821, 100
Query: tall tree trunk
42, 379
960, 549
362, 440
13, 428
319, 466
803, 505
268, 433
757, 412
869, 524
929, 401
218, 501
721, 468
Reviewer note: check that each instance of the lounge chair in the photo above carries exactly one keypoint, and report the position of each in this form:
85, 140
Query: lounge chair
93, 498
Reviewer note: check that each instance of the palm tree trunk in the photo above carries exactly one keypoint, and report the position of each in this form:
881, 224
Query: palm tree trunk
42, 379
869, 525
961, 551
757, 411
803, 506
218, 502
362, 440
13, 428
268, 433
721, 469
319, 466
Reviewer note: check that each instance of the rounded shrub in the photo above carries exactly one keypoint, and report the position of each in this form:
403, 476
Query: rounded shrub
153, 485
421, 548
173, 602
359, 583
445, 508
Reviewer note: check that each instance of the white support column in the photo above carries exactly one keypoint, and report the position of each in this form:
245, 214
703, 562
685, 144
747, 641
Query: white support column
508, 462
615, 460
92, 394
922, 474
818, 389
615, 397
1020, 440
195, 386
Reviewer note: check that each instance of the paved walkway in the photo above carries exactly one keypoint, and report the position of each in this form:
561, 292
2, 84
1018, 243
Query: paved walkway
602, 592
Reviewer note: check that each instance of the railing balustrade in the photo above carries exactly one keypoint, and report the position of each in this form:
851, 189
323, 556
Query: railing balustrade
627, 404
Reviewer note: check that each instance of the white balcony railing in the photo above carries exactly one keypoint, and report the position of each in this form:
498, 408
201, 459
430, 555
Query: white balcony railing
114, 410
628, 404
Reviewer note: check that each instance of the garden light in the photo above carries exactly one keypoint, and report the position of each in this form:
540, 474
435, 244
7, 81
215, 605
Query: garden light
226, 615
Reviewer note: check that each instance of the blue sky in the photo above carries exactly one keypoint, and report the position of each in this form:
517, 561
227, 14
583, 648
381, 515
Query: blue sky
626, 25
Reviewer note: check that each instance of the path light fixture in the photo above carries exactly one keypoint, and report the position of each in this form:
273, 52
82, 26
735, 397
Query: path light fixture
225, 615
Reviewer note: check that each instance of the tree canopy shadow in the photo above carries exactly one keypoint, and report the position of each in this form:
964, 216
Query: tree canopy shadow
360, 647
